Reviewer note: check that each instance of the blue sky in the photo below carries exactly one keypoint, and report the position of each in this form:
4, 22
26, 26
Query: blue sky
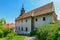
10, 9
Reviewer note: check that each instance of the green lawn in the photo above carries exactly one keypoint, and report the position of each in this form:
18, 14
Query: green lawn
14, 38
19, 38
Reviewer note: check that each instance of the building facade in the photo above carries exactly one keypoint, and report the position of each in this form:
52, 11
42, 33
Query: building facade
27, 22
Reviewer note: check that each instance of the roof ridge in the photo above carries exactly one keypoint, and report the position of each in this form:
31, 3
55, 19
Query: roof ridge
39, 7
43, 9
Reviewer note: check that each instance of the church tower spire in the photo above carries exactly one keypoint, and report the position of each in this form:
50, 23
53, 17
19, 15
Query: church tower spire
22, 10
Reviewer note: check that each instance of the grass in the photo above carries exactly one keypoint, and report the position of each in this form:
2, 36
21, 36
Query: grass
19, 38
15, 38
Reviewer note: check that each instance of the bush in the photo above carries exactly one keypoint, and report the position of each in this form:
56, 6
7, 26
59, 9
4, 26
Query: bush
10, 36
58, 38
49, 32
1, 33
7, 31
33, 33
4, 31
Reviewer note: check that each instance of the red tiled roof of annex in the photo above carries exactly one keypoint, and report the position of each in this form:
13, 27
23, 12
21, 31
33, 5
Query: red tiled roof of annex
9, 25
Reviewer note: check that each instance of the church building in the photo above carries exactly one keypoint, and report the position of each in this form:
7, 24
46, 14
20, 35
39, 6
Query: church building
27, 22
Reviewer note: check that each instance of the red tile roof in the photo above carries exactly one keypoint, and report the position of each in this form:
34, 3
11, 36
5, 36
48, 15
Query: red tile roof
38, 11
9, 25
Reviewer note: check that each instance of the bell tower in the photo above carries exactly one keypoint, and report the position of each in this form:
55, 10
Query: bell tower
22, 10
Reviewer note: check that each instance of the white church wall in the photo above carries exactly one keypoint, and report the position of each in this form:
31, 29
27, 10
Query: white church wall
40, 22
24, 24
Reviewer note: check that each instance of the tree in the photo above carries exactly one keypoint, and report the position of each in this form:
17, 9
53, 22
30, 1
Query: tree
2, 21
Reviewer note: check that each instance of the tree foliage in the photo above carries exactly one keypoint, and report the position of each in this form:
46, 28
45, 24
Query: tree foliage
2, 21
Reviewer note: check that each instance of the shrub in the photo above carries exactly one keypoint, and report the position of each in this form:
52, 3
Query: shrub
10, 36
7, 31
4, 31
33, 33
1, 33
58, 38
49, 32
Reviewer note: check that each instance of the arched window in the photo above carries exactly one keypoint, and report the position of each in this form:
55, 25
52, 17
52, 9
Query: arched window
26, 29
26, 20
21, 28
44, 19
36, 19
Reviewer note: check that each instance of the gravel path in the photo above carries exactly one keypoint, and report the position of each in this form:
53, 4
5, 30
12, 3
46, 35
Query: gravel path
30, 38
